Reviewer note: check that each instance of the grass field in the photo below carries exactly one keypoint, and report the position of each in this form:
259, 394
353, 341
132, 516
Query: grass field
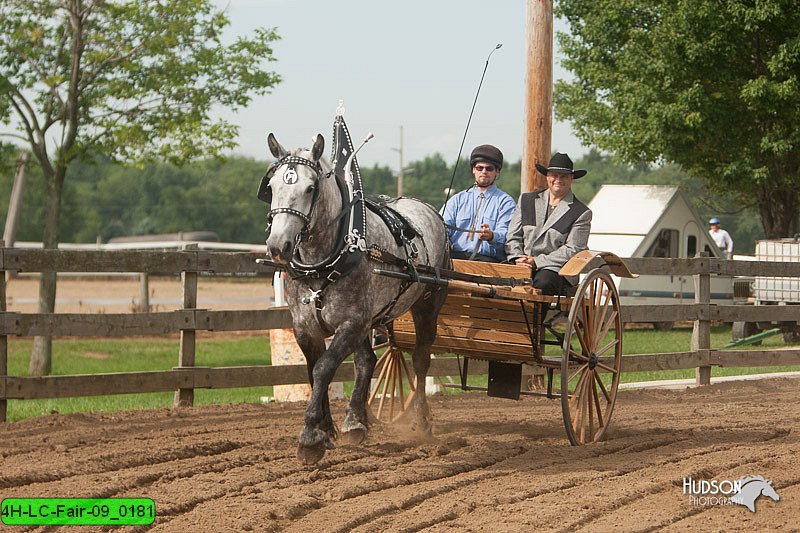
87, 356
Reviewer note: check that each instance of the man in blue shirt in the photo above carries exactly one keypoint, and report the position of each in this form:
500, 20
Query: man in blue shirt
483, 209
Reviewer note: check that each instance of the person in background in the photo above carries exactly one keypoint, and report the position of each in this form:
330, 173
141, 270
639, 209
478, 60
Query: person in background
721, 238
483, 210
550, 226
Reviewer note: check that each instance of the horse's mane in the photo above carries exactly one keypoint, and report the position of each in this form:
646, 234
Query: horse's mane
306, 154
748, 479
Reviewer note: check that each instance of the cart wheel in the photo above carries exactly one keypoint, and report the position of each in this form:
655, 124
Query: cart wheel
592, 351
388, 388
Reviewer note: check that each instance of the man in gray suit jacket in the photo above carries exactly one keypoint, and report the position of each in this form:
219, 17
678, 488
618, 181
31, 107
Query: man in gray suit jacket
550, 226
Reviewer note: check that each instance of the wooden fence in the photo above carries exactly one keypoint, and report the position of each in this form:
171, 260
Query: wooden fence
186, 377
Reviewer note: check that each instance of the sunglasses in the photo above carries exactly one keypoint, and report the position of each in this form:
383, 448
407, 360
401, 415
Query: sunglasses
487, 168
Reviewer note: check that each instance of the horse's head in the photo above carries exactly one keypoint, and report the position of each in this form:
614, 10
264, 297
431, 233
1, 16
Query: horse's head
768, 490
292, 194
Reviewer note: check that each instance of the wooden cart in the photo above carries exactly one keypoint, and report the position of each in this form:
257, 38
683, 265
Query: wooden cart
493, 314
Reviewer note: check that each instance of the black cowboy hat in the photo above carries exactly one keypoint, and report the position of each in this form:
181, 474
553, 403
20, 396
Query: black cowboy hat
560, 164
488, 153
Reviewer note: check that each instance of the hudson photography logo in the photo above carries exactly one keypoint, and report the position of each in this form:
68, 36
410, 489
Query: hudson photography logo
744, 491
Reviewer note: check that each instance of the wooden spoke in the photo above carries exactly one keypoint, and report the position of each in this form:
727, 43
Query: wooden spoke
383, 362
590, 392
602, 387
597, 406
574, 401
601, 327
581, 340
578, 371
400, 390
586, 322
389, 377
594, 315
607, 368
411, 379
605, 348
612, 319
583, 406
390, 385
394, 373
579, 356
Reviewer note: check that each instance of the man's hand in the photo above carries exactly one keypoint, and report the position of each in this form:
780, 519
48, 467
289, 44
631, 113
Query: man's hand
525, 260
485, 234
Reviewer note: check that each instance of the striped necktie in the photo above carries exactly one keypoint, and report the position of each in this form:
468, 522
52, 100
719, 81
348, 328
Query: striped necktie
476, 217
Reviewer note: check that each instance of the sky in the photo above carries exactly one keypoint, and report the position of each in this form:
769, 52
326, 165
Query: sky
410, 63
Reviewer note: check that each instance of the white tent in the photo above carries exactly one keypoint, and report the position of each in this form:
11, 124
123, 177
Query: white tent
653, 221
628, 219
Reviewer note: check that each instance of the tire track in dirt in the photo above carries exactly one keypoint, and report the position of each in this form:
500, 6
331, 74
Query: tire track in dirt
417, 490
291, 501
290, 477
760, 437
633, 492
557, 485
646, 494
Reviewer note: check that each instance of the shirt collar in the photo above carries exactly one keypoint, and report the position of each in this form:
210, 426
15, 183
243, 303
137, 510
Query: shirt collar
477, 192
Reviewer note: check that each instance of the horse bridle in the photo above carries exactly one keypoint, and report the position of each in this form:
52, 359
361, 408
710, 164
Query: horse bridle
265, 192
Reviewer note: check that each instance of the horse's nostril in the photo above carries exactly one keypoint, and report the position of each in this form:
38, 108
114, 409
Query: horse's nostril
281, 252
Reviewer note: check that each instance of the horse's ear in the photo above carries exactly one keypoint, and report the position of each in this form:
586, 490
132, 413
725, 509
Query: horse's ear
275, 147
319, 146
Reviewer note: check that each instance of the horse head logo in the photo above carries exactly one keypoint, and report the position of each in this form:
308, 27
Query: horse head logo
751, 488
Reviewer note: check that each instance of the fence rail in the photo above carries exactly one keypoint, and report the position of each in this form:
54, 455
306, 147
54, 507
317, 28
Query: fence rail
186, 377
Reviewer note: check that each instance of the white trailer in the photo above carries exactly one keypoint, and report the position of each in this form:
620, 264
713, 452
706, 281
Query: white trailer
768, 290
653, 221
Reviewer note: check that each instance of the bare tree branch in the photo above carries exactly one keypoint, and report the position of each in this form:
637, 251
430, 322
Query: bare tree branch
15, 136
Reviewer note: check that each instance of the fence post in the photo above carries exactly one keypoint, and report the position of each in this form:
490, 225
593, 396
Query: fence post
3, 342
185, 397
701, 333
144, 292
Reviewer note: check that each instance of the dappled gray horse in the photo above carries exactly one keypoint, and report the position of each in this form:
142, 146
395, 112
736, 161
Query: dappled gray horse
309, 235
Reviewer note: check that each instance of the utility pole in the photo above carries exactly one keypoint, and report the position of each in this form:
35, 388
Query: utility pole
400, 173
538, 93
15, 203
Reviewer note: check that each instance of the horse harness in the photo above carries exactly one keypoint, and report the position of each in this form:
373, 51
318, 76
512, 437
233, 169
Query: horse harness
290, 177
351, 237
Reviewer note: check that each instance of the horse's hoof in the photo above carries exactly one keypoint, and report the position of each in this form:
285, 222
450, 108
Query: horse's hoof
313, 444
310, 455
423, 429
354, 435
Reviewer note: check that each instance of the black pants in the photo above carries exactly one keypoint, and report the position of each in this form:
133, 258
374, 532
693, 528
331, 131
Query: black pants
478, 257
549, 282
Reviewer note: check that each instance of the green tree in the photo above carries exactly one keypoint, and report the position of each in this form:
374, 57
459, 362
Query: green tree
379, 180
127, 79
711, 85
427, 179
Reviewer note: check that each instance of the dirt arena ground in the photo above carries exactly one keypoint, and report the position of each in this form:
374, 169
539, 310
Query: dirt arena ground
493, 465
123, 294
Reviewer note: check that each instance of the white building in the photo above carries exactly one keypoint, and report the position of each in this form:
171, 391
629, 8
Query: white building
653, 221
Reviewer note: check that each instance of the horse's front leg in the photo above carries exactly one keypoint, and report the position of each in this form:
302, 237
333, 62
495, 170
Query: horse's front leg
319, 429
325, 430
354, 429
